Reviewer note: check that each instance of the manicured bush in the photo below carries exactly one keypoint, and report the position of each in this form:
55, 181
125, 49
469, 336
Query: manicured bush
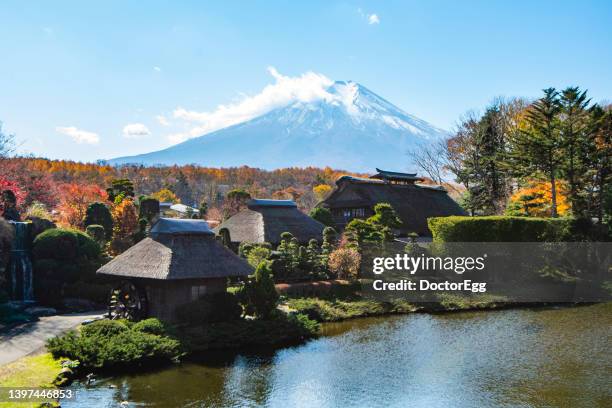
97, 233
106, 344
498, 229
323, 215
65, 244
99, 214
148, 208
217, 307
61, 258
260, 296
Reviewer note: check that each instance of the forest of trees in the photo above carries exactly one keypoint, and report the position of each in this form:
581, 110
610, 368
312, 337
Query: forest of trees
548, 157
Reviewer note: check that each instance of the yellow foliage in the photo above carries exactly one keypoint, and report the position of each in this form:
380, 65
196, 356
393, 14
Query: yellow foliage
321, 191
165, 196
535, 199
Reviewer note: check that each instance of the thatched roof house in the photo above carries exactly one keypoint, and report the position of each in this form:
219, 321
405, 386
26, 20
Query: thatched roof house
178, 263
356, 197
265, 220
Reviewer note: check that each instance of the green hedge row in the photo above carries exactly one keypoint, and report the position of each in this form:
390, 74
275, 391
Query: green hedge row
510, 229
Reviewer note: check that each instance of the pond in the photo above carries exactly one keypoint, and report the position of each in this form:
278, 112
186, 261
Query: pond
521, 357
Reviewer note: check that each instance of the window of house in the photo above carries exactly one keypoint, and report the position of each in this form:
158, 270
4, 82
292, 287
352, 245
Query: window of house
351, 213
198, 291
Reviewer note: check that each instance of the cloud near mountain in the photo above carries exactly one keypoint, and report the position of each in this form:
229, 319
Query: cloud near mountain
307, 87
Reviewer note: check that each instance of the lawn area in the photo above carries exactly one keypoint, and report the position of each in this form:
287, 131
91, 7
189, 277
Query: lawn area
30, 371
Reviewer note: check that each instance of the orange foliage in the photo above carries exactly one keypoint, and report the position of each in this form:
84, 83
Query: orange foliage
125, 224
73, 201
535, 199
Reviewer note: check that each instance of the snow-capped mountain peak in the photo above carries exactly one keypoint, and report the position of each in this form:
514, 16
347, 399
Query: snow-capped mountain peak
348, 127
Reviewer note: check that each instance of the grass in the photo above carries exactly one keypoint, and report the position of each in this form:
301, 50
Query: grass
30, 371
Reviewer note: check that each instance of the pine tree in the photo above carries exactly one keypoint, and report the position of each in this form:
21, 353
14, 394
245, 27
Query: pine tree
574, 132
539, 147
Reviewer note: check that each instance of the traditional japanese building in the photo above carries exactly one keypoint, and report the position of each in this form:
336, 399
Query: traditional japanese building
356, 197
180, 262
265, 221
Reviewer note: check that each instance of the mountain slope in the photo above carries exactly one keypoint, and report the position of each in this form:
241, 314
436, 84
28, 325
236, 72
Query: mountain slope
351, 128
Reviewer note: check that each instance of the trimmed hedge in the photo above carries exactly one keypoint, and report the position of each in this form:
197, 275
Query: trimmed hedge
65, 244
500, 229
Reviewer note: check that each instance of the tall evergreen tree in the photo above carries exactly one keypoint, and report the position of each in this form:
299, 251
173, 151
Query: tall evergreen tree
574, 128
539, 148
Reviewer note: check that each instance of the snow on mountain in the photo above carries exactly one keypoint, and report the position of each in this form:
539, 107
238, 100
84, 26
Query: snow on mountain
350, 128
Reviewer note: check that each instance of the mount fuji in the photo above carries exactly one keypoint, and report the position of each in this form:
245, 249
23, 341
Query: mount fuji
351, 128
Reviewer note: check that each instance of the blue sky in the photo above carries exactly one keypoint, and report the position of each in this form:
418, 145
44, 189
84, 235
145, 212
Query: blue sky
86, 81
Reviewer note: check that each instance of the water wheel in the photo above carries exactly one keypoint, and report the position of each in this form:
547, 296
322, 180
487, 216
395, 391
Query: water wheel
127, 302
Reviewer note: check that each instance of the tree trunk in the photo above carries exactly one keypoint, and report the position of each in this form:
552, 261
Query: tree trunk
553, 194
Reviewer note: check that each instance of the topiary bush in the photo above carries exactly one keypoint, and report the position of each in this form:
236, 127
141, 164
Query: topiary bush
99, 214
63, 257
258, 296
107, 344
499, 229
97, 233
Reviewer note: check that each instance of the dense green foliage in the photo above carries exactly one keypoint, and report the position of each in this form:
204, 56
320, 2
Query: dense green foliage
330, 310
120, 189
323, 215
148, 208
63, 257
99, 214
507, 229
218, 307
258, 296
107, 344
279, 329
97, 233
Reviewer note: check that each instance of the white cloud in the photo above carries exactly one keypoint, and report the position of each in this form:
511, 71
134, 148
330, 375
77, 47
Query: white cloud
307, 87
135, 131
157, 69
78, 135
371, 18
162, 120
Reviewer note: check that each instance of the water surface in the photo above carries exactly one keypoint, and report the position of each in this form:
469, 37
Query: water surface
511, 358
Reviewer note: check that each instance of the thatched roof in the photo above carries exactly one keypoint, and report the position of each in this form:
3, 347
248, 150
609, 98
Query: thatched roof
178, 249
414, 203
265, 220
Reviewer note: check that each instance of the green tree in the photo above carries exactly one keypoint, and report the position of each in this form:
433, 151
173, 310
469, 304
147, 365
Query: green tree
120, 189
257, 255
99, 214
323, 215
574, 128
182, 189
148, 208
538, 148
599, 157
203, 209
260, 293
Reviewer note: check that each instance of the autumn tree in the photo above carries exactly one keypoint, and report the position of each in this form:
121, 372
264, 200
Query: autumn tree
345, 263
74, 200
165, 196
321, 191
125, 224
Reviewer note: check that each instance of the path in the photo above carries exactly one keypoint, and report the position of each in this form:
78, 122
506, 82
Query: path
30, 337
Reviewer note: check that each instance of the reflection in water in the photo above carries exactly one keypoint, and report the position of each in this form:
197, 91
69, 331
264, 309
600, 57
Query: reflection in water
554, 357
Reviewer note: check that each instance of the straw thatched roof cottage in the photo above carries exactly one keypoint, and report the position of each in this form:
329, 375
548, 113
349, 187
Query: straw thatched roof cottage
178, 263
356, 197
265, 220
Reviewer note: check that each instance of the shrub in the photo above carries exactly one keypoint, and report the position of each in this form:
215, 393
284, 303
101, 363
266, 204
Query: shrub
278, 329
345, 263
65, 244
151, 326
38, 210
498, 229
323, 215
257, 255
108, 343
97, 233
217, 307
99, 214
258, 296
148, 208
61, 258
